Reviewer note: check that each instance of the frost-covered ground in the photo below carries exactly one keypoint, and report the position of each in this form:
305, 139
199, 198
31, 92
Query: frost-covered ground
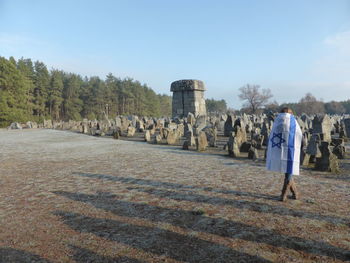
67, 197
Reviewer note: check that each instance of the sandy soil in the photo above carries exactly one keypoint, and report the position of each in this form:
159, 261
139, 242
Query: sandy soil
67, 197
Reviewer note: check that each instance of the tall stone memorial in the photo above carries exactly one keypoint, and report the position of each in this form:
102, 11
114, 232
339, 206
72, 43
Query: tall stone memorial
322, 125
188, 96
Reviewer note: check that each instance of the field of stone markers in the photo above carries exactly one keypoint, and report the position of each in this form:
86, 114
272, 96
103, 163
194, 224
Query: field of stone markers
71, 197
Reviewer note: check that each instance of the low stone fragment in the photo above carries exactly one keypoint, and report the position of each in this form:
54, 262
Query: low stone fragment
147, 136
253, 153
15, 126
186, 145
201, 141
172, 137
328, 161
131, 131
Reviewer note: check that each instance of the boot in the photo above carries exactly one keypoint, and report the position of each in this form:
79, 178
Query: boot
286, 185
293, 189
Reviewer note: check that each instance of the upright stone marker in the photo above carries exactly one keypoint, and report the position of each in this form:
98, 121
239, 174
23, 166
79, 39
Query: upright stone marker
188, 96
322, 125
347, 127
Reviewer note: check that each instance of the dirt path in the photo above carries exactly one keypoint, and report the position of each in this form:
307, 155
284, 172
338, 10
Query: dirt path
67, 197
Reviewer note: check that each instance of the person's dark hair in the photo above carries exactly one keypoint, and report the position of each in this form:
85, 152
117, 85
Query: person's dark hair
286, 110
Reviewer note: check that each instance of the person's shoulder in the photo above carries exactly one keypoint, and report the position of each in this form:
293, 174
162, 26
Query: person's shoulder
283, 115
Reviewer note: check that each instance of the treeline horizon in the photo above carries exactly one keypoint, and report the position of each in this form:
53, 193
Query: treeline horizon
31, 92
310, 105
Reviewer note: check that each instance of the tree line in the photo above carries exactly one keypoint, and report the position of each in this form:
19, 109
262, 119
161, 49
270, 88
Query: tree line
257, 100
29, 91
310, 105
216, 106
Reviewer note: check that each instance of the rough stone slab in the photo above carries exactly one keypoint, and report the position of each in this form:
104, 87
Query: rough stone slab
187, 84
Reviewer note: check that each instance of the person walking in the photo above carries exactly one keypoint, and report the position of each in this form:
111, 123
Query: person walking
283, 150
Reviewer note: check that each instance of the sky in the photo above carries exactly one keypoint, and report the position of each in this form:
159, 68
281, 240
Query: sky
289, 47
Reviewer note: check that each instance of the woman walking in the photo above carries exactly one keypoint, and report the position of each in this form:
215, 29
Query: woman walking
283, 151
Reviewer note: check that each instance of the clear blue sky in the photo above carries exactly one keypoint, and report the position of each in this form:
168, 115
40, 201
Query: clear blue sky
291, 47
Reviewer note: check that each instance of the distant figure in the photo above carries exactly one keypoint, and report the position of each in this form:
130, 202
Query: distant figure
283, 151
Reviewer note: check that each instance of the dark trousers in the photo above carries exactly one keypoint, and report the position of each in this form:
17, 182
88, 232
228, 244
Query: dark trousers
288, 177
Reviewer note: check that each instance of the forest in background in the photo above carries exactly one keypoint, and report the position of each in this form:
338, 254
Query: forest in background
29, 91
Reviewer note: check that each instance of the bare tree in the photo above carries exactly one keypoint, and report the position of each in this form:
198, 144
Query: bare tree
334, 107
254, 97
310, 105
272, 106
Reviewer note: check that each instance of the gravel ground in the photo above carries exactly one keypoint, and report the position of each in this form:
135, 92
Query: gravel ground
67, 197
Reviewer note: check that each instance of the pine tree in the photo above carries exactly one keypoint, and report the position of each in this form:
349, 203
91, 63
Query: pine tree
26, 67
41, 86
72, 104
14, 94
55, 94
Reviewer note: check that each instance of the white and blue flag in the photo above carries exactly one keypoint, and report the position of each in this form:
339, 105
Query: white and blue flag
283, 151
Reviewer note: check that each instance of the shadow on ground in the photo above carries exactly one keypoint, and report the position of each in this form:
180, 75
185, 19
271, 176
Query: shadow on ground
83, 255
242, 204
156, 240
168, 185
176, 246
189, 196
11, 255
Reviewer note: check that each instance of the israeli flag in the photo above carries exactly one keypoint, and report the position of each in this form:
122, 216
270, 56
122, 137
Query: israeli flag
283, 150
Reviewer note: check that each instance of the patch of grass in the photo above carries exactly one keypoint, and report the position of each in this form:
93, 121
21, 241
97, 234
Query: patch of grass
198, 212
310, 201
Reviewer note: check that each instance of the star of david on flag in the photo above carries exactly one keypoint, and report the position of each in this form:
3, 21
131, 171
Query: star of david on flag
283, 149
279, 140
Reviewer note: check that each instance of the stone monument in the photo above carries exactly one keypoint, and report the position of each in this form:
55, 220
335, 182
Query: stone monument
188, 96
322, 125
